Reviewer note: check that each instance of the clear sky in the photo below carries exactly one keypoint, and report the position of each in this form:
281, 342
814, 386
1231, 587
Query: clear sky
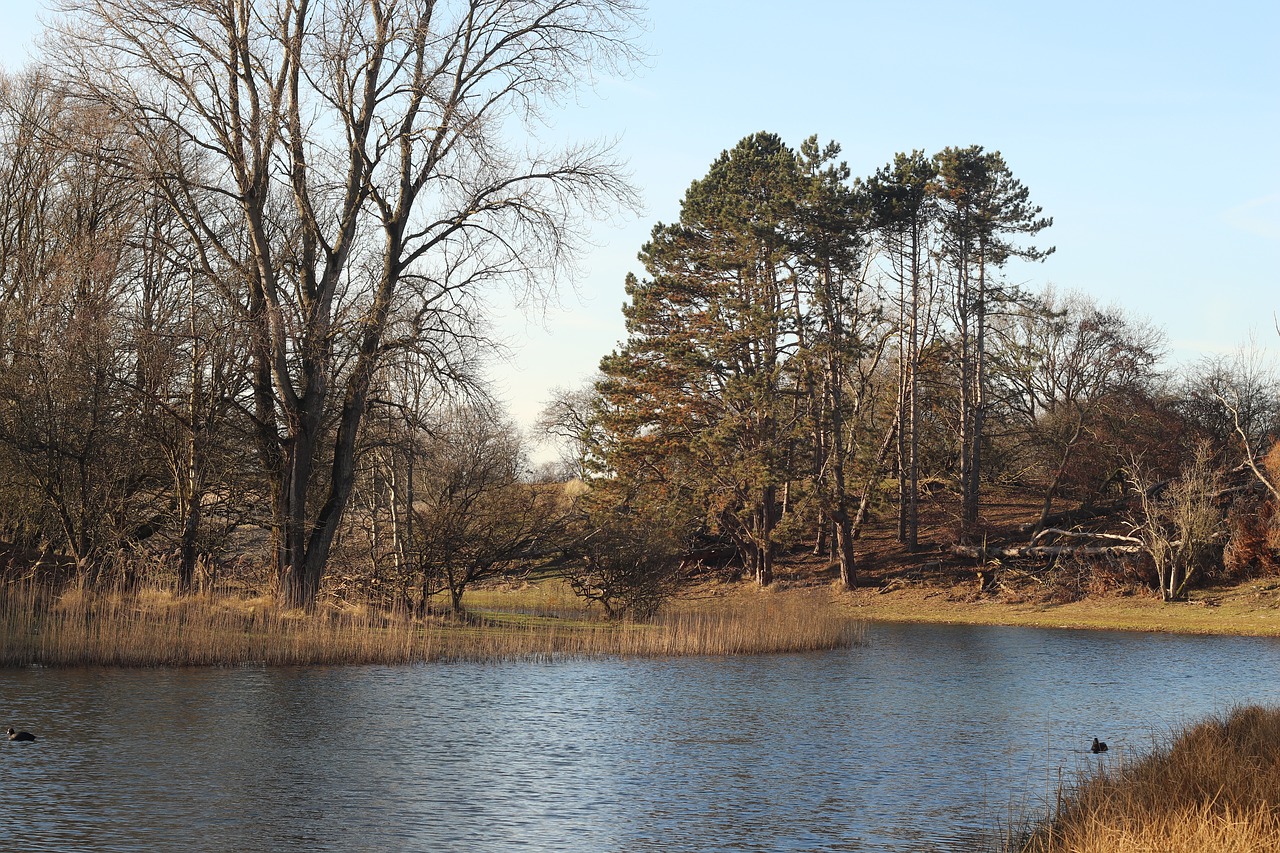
1150, 131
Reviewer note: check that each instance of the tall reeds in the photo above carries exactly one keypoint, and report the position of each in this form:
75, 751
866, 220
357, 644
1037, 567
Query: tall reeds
83, 628
1215, 789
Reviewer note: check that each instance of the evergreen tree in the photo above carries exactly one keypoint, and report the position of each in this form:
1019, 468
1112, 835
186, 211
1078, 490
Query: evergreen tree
983, 207
903, 210
833, 319
697, 403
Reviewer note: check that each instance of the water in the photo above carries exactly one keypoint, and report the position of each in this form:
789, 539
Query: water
921, 740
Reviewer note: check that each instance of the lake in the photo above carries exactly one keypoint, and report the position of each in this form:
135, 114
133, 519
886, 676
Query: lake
923, 739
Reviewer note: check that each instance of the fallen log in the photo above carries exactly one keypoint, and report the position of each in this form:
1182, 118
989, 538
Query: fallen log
979, 552
1084, 534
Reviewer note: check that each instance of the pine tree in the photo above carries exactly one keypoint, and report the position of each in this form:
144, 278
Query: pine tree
903, 210
697, 402
833, 317
983, 207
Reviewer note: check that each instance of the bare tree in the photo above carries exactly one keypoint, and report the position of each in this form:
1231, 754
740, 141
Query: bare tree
625, 562
66, 257
408, 413
569, 420
188, 377
1058, 364
476, 516
121, 365
353, 166
1180, 523
1237, 400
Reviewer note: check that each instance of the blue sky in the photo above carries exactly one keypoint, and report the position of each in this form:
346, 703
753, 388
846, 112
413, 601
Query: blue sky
1150, 131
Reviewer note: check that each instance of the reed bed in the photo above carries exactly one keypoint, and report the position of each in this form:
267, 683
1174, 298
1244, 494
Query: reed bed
153, 628
1215, 789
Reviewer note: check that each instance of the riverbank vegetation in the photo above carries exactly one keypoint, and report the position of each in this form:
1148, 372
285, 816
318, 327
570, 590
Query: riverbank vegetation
218, 365
86, 627
1213, 789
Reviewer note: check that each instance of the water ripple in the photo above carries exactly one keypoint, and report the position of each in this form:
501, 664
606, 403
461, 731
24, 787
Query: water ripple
924, 739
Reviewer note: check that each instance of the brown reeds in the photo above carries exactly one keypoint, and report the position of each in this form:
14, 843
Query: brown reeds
1215, 789
153, 628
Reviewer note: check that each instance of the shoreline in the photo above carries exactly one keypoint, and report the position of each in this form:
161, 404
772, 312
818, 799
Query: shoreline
154, 628
1251, 609
800, 613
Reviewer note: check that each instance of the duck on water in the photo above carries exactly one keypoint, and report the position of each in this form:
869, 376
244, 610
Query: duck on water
1098, 746
20, 735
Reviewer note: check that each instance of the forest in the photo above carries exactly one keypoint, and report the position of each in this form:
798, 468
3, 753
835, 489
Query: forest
809, 353
245, 267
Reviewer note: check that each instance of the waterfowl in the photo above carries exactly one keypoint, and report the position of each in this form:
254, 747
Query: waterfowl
20, 735
1098, 746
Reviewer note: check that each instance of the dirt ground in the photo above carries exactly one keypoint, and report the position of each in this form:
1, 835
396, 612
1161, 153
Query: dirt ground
932, 585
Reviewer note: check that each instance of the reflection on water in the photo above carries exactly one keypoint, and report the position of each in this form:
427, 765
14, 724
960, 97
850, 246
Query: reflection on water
920, 740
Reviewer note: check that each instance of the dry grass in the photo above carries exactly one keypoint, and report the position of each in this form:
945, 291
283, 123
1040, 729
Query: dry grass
1248, 609
1215, 790
153, 628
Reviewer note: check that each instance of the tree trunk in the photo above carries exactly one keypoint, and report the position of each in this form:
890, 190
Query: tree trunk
968, 523
1046, 509
864, 502
844, 547
979, 552
764, 538
300, 573
904, 380
822, 535
188, 552
971, 486
190, 498
913, 400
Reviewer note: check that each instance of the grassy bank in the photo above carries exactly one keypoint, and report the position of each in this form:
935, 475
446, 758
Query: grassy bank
1214, 789
153, 628
1249, 609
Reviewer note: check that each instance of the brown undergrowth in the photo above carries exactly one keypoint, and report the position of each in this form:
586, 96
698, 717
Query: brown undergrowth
1214, 789
154, 628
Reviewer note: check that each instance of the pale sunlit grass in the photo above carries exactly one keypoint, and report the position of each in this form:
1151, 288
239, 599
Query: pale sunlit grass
155, 628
